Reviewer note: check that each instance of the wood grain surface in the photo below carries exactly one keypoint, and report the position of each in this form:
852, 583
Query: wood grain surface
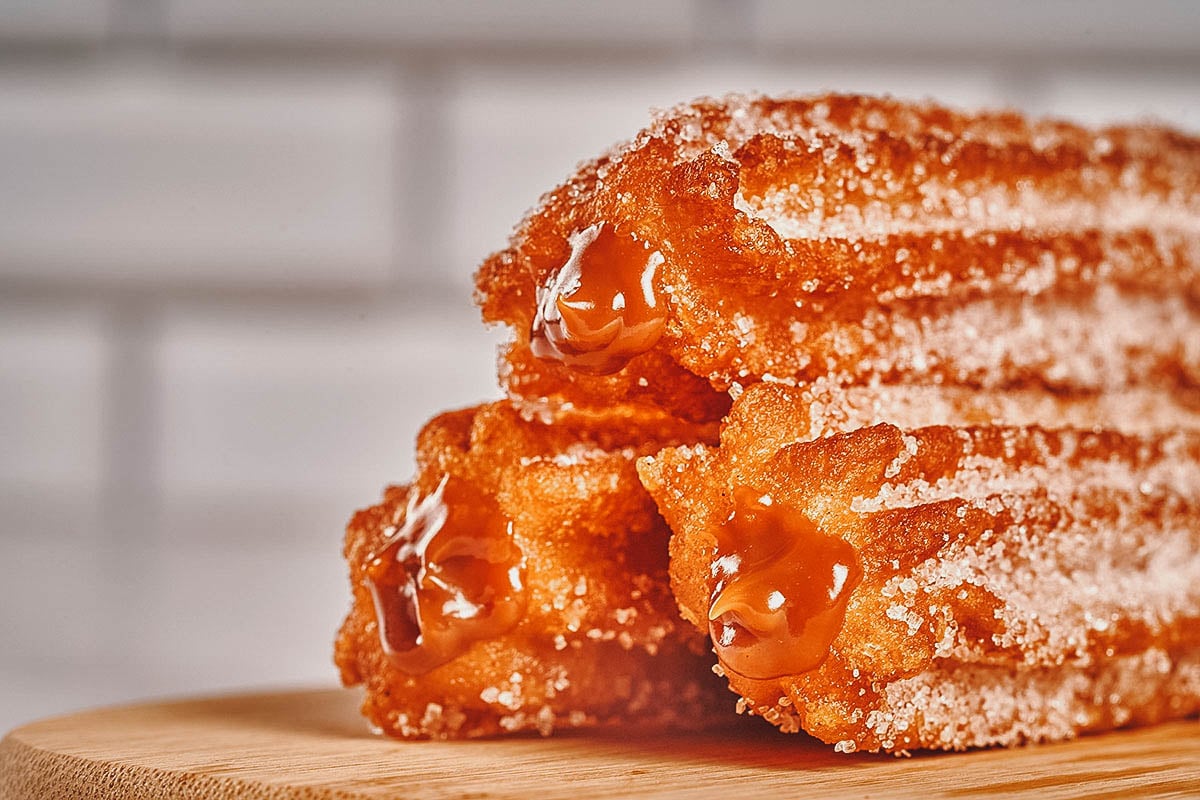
313, 744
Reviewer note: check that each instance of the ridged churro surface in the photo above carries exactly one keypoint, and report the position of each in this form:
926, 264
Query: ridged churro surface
857, 239
962, 585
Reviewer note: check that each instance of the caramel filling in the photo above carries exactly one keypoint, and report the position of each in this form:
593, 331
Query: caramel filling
449, 576
780, 589
602, 307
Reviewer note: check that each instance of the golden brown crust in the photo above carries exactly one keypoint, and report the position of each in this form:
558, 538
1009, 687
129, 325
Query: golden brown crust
1019, 301
865, 239
1045, 564
599, 643
653, 389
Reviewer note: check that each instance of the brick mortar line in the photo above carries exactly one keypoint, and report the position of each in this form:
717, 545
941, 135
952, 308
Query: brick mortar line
415, 65
130, 495
416, 292
137, 23
718, 23
424, 151
726, 25
827, 50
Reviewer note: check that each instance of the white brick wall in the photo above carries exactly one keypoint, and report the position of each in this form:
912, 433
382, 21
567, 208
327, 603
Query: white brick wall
316, 399
199, 174
53, 365
444, 23
54, 21
53, 360
236, 242
1045, 29
1106, 94
254, 612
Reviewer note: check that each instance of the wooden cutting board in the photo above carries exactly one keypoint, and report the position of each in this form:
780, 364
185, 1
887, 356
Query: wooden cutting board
313, 744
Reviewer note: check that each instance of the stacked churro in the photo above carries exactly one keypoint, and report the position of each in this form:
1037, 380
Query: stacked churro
518, 583
945, 585
955, 499
858, 239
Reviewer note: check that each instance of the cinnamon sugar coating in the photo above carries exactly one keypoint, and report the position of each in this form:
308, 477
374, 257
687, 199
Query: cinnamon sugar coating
865, 239
596, 638
1019, 583
955, 363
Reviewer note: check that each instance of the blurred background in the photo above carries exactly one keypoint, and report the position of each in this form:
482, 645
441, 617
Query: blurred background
236, 246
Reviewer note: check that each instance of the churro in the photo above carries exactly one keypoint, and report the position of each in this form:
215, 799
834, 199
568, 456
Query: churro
519, 583
856, 239
946, 586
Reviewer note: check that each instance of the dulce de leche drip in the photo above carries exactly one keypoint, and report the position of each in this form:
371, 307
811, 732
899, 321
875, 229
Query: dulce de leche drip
780, 589
602, 307
450, 575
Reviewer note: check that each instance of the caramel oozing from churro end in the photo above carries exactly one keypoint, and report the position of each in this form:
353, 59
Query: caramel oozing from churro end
448, 576
603, 306
780, 588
